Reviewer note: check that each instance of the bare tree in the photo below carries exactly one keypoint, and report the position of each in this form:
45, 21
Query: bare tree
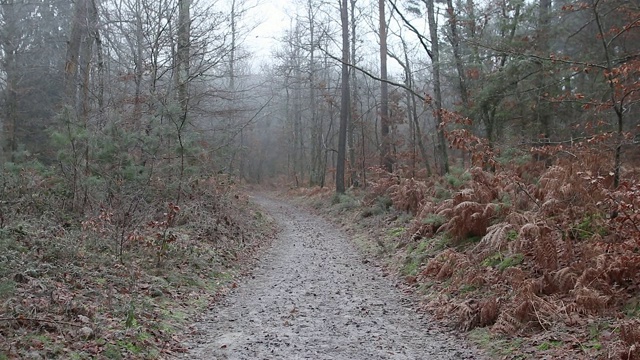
345, 102
386, 161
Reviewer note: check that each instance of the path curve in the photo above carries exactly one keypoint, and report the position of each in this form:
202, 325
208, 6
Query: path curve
312, 297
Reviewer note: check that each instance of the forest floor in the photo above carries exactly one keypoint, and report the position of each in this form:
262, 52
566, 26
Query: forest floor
315, 296
76, 289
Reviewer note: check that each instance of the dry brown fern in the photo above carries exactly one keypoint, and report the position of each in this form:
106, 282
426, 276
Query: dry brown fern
545, 251
623, 269
489, 311
468, 315
425, 224
515, 276
445, 264
408, 194
630, 336
484, 185
496, 240
506, 324
468, 219
565, 279
590, 301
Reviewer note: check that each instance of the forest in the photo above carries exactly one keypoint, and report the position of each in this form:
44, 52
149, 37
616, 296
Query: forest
494, 146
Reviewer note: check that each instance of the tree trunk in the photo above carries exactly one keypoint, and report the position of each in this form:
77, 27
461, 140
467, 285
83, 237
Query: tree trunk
353, 179
9, 145
183, 54
317, 165
455, 45
345, 101
412, 111
386, 160
544, 117
443, 160
73, 53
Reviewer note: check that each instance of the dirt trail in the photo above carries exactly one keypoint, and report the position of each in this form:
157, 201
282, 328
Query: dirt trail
312, 297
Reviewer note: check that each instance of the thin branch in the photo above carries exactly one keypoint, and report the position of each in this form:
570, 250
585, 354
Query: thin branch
537, 57
421, 97
422, 38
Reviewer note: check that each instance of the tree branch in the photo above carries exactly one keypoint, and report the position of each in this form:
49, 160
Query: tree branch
422, 38
402, 86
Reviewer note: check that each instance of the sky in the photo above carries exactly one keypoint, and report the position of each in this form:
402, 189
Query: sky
274, 20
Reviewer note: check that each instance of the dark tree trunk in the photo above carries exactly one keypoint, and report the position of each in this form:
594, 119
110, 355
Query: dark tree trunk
385, 155
345, 99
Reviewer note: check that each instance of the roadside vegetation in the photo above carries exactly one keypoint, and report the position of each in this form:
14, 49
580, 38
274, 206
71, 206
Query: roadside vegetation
116, 282
530, 258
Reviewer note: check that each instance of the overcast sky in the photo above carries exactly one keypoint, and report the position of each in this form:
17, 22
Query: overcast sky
273, 18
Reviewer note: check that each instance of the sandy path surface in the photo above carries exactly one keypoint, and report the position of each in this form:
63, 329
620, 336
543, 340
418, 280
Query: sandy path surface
312, 297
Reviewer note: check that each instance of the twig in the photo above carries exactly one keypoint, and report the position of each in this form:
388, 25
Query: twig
535, 201
533, 305
40, 320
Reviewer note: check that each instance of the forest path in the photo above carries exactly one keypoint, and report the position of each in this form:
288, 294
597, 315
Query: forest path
312, 297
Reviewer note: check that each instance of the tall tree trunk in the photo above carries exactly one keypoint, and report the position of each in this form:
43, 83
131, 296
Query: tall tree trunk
183, 54
317, 165
354, 95
71, 107
412, 111
441, 153
297, 109
386, 160
86, 55
9, 31
139, 70
455, 44
345, 101
544, 117
100, 69
73, 53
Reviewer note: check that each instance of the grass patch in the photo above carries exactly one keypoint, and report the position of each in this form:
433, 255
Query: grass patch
457, 177
510, 261
632, 308
549, 345
7, 288
417, 254
396, 232
468, 288
434, 220
502, 262
495, 345
589, 226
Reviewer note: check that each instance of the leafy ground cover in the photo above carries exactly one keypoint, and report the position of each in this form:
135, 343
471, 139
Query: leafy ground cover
531, 260
90, 288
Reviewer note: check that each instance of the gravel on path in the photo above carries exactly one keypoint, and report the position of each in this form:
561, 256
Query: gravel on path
313, 297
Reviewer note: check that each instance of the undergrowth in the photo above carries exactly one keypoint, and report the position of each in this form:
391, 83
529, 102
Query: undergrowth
114, 284
530, 250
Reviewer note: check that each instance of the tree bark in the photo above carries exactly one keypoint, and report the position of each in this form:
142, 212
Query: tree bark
455, 45
386, 160
443, 160
73, 53
9, 144
345, 99
183, 54
353, 178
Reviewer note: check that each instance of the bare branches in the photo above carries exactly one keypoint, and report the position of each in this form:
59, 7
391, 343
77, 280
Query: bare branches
377, 78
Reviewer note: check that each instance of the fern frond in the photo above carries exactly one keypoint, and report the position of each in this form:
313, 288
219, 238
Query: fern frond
506, 324
489, 311
565, 279
496, 240
590, 301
